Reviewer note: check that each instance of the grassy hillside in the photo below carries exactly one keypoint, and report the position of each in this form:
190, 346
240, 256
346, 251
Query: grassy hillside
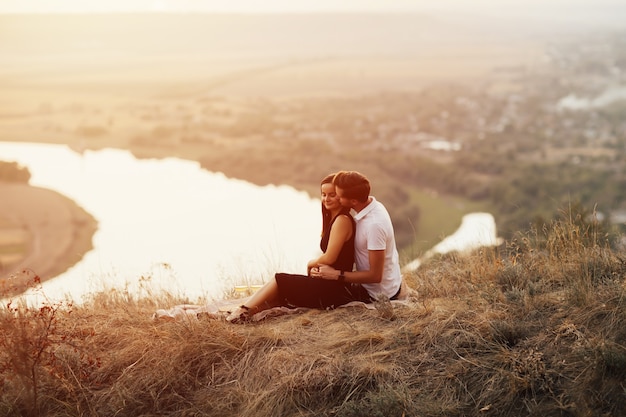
535, 327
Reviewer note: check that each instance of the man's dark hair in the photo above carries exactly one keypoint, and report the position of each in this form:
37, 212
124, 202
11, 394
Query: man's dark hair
353, 184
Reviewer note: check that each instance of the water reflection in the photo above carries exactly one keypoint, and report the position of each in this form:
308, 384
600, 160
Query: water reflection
476, 230
194, 232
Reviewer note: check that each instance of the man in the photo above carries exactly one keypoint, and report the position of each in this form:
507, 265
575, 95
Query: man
376, 255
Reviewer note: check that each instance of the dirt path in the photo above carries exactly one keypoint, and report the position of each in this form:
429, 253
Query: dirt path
42, 230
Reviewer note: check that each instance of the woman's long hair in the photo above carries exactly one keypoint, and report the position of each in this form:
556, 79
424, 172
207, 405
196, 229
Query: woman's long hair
326, 216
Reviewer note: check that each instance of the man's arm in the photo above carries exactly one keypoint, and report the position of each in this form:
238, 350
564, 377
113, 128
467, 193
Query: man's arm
372, 276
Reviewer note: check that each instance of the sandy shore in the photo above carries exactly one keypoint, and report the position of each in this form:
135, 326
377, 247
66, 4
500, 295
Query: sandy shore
41, 230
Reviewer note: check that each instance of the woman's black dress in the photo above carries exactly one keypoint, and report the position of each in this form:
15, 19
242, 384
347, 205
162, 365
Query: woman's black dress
304, 291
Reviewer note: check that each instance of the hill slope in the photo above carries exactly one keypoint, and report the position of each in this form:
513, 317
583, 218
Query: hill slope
535, 328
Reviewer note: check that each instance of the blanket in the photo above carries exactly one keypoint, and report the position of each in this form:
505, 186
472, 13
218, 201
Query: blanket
222, 308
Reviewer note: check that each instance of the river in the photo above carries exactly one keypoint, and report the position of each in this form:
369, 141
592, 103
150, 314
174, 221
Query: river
189, 231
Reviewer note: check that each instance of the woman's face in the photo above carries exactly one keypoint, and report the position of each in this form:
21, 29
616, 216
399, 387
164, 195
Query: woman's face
329, 197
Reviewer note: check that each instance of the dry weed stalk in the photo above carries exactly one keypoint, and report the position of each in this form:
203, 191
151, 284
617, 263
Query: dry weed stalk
30, 339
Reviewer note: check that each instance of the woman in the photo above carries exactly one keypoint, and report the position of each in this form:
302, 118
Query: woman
337, 245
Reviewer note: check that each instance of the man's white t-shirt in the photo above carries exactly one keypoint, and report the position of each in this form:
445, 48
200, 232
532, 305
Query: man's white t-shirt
374, 231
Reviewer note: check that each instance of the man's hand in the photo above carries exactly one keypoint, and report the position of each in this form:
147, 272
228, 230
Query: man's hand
325, 272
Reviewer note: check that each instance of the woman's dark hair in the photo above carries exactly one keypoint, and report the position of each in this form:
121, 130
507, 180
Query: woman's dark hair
326, 217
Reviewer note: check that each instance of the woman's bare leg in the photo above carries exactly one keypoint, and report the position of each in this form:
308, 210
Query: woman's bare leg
265, 298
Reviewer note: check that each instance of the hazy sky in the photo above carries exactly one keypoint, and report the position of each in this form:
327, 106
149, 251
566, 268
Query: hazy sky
271, 6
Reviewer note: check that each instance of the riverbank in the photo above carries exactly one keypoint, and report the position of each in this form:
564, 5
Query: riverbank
42, 230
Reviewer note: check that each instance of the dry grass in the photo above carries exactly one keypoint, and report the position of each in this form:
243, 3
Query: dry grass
536, 328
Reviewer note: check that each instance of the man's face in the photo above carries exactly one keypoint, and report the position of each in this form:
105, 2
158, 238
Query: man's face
344, 201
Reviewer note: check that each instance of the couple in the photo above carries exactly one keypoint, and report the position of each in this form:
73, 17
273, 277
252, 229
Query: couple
366, 239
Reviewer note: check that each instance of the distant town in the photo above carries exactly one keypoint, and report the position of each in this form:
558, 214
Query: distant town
528, 141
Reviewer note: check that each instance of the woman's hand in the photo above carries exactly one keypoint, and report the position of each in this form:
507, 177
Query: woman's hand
310, 265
